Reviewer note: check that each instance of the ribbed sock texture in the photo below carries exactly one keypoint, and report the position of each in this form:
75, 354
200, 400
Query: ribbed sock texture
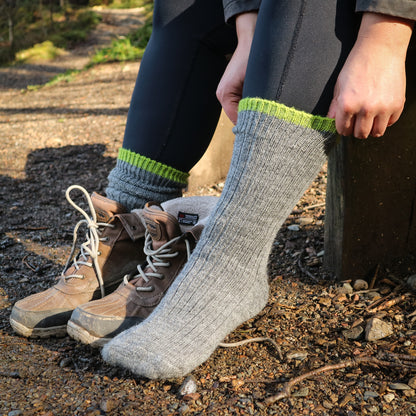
276, 156
136, 180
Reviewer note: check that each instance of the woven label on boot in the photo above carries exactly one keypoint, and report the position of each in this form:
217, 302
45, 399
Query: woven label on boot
185, 218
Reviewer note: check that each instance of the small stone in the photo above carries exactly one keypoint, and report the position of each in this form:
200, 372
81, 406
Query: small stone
389, 397
191, 397
411, 282
237, 383
15, 413
377, 329
305, 220
412, 383
409, 393
184, 409
65, 362
321, 253
303, 392
297, 355
327, 404
189, 386
353, 333
293, 227
108, 405
370, 395
360, 284
325, 301
373, 296
399, 386
407, 343
345, 289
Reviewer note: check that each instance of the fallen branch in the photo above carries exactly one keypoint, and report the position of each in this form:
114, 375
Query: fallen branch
287, 388
373, 280
249, 341
305, 271
376, 307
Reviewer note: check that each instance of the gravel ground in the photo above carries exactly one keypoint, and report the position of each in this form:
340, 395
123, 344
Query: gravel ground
70, 133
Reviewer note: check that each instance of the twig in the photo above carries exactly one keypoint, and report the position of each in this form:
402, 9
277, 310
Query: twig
314, 206
373, 280
250, 340
331, 367
305, 271
388, 303
27, 264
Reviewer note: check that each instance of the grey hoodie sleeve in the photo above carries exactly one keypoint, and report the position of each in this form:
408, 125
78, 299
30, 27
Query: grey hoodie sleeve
234, 7
398, 8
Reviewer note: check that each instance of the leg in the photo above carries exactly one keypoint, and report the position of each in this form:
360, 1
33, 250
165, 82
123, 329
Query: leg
278, 151
165, 136
166, 131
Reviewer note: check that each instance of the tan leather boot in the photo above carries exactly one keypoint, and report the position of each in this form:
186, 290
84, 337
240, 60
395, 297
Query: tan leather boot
113, 249
167, 249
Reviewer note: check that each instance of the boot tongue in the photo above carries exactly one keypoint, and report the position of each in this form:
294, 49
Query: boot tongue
105, 208
161, 225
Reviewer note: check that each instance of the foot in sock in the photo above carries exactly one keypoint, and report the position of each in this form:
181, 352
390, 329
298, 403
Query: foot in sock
278, 151
114, 247
173, 229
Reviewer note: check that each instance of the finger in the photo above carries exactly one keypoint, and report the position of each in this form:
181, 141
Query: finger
230, 106
379, 125
363, 125
344, 123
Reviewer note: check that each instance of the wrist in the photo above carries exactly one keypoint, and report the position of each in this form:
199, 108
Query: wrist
386, 32
245, 26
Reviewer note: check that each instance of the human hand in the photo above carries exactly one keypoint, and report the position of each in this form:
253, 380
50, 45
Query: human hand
230, 88
370, 91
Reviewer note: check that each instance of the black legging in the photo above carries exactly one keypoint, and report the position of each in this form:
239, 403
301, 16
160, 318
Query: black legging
298, 50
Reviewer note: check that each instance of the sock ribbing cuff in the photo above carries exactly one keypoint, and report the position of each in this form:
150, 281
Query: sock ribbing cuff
152, 166
289, 114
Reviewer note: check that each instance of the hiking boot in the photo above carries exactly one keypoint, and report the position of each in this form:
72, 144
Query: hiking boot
113, 247
168, 246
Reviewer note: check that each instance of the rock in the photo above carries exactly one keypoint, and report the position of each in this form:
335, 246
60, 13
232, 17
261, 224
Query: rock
189, 386
65, 362
409, 393
377, 329
373, 296
305, 220
191, 397
353, 333
412, 383
345, 289
411, 282
108, 405
360, 284
184, 409
370, 394
325, 301
293, 227
389, 397
297, 355
399, 386
302, 392
15, 413
237, 383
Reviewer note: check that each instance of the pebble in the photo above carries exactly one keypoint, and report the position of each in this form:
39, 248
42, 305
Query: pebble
377, 329
305, 220
108, 405
346, 288
303, 392
353, 333
389, 397
411, 282
399, 386
293, 227
15, 413
370, 394
360, 284
184, 409
65, 362
412, 383
373, 296
191, 397
189, 386
297, 355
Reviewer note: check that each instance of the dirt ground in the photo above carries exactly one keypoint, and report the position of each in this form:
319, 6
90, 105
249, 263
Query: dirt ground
70, 133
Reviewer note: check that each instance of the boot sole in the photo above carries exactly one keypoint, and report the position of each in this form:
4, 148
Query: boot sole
82, 335
54, 331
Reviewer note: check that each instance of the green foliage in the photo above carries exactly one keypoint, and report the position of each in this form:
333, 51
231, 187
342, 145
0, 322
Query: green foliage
44, 51
130, 48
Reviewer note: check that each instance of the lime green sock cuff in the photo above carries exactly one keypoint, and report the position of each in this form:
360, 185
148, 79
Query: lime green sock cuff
157, 168
289, 114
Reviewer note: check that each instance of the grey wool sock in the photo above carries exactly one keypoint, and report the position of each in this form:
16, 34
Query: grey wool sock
137, 179
278, 152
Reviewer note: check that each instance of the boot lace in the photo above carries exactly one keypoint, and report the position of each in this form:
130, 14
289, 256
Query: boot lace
89, 249
156, 258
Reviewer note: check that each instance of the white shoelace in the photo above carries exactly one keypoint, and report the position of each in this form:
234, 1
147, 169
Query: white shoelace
90, 247
154, 259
